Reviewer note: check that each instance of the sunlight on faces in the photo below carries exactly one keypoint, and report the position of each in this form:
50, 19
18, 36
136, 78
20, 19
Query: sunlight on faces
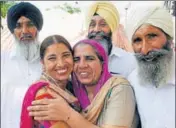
87, 65
154, 55
58, 61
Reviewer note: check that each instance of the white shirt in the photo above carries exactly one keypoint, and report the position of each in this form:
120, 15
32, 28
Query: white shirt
121, 62
156, 106
16, 76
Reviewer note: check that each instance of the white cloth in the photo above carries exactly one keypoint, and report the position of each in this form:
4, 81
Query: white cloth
16, 76
153, 15
121, 62
156, 106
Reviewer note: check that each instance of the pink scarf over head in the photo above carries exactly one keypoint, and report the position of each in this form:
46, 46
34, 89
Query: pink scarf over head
79, 89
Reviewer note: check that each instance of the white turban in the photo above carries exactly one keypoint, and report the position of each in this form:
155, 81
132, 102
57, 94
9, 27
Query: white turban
156, 16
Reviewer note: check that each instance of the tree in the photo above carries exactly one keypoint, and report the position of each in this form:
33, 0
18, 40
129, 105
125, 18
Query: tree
5, 5
67, 8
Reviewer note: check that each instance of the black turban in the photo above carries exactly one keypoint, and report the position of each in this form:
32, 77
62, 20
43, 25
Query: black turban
24, 9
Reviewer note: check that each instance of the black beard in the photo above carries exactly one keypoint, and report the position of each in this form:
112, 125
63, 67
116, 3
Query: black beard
156, 67
105, 40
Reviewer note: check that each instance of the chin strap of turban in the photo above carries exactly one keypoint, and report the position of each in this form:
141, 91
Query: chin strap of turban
24, 9
107, 11
153, 15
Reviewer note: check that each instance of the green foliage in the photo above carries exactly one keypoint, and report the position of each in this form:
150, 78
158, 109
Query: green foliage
68, 8
5, 5
48, 9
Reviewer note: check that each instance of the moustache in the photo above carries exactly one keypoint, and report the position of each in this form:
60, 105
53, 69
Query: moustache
100, 35
152, 55
26, 36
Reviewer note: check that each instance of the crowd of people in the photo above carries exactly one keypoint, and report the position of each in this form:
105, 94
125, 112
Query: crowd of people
100, 82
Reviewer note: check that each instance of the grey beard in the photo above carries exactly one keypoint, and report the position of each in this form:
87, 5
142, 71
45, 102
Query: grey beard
157, 71
28, 49
105, 40
105, 43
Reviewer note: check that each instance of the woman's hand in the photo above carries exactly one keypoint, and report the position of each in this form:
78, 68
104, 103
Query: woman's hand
56, 109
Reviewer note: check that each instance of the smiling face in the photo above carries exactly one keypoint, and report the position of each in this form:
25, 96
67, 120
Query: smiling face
87, 65
25, 30
58, 61
148, 38
100, 31
98, 24
153, 54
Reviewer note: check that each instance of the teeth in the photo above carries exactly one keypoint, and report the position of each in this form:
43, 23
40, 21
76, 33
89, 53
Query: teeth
61, 71
83, 74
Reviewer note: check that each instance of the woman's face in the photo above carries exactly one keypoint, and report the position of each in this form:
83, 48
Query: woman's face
87, 65
58, 61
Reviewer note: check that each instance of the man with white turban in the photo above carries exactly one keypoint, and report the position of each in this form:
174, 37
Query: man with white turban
102, 20
20, 66
150, 30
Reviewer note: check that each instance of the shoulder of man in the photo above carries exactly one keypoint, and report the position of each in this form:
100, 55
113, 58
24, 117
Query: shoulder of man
133, 77
5, 57
120, 52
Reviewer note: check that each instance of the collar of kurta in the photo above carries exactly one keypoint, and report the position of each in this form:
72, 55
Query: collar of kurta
117, 51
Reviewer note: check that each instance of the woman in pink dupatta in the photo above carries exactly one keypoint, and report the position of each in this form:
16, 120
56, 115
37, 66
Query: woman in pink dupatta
57, 61
107, 101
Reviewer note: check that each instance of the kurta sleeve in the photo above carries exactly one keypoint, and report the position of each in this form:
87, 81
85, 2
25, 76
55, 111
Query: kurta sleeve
119, 108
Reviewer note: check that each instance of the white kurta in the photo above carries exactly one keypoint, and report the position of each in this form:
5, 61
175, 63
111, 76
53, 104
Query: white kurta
156, 106
17, 74
121, 62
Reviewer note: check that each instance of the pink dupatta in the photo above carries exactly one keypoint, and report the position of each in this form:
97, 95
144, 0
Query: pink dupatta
26, 120
79, 89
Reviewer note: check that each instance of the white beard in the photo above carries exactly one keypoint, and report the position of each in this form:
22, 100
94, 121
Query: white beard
28, 49
157, 73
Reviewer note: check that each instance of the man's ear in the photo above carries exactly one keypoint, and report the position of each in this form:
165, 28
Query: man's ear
172, 44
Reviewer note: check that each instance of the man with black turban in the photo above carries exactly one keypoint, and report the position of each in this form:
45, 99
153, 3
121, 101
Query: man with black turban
102, 21
20, 67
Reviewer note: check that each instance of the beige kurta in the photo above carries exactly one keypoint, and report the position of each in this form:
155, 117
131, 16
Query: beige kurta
119, 107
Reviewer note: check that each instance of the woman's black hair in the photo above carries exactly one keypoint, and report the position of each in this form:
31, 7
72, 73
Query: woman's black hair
51, 40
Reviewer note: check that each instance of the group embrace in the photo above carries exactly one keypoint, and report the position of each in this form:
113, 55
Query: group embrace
93, 84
